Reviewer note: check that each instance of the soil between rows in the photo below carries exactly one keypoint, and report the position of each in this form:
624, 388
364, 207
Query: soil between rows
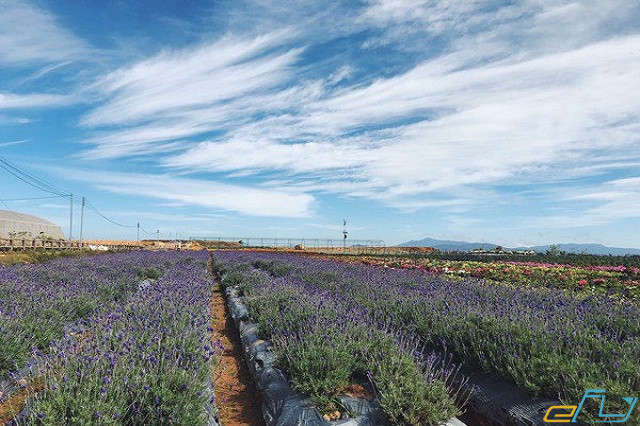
13, 405
237, 401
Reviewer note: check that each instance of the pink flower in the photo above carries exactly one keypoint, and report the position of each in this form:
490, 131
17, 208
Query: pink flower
582, 282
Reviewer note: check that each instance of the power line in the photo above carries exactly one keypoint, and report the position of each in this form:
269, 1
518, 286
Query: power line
38, 180
34, 198
57, 192
147, 232
30, 179
40, 184
96, 211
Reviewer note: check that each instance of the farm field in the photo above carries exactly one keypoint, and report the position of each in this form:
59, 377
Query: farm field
611, 279
334, 323
110, 339
142, 337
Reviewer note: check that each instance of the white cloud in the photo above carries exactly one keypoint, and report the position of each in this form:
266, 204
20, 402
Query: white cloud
550, 110
193, 78
10, 120
596, 204
211, 194
519, 92
340, 75
146, 216
401, 18
34, 100
29, 35
526, 26
188, 92
11, 143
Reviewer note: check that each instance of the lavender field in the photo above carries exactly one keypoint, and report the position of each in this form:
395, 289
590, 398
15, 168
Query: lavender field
112, 339
127, 338
334, 324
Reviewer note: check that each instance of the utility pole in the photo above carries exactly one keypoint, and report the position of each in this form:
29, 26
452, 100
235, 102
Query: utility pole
138, 232
158, 236
344, 235
81, 220
70, 217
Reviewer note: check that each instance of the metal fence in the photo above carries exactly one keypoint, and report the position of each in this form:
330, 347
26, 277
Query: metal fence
318, 245
34, 243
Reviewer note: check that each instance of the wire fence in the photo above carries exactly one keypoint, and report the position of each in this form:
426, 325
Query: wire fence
318, 245
36, 243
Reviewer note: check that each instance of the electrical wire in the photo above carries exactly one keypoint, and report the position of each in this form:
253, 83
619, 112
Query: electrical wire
34, 198
57, 192
99, 213
30, 179
147, 232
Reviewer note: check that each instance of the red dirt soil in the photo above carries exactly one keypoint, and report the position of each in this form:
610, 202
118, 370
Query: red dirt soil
14, 404
236, 398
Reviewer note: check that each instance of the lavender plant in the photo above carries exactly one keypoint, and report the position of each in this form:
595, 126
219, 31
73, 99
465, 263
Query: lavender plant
541, 339
144, 362
37, 302
326, 345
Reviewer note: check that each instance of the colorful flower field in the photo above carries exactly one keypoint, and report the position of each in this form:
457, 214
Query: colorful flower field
336, 324
109, 345
617, 281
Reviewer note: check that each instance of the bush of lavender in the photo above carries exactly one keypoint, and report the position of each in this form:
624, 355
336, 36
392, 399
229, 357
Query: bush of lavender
143, 362
541, 339
326, 346
38, 301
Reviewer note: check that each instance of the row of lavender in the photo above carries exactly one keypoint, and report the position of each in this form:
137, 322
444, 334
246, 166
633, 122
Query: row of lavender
142, 357
331, 347
37, 301
540, 339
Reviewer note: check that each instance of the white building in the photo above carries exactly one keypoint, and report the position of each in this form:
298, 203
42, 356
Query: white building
22, 225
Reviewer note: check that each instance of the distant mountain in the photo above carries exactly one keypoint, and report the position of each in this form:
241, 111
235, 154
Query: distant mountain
586, 248
448, 245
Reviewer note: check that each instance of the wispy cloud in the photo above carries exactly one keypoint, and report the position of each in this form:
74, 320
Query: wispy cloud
221, 196
34, 100
11, 120
20, 142
596, 204
189, 92
30, 35
156, 217
497, 95
554, 110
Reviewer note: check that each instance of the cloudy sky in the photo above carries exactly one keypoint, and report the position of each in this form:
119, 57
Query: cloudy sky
509, 122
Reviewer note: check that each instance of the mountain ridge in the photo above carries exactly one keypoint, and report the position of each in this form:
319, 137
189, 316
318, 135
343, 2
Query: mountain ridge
589, 248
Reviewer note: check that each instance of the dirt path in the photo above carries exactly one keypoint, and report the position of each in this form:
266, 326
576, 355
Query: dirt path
236, 398
13, 405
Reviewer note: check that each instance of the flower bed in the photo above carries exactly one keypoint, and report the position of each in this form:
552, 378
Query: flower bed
619, 282
143, 362
329, 346
37, 302
323, 315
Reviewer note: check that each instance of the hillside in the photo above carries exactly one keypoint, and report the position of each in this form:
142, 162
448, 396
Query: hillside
450, 245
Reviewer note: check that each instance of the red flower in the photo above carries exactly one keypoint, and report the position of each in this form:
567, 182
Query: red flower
582, 282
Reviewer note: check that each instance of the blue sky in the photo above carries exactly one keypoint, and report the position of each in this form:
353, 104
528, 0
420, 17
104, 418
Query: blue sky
510, 122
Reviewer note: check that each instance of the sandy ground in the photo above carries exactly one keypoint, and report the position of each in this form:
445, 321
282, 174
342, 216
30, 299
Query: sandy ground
237, 401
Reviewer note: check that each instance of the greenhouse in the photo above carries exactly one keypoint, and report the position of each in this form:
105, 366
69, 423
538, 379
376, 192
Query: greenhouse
22, 225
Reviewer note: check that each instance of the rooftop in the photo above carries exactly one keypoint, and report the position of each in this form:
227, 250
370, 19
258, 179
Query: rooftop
22, 217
